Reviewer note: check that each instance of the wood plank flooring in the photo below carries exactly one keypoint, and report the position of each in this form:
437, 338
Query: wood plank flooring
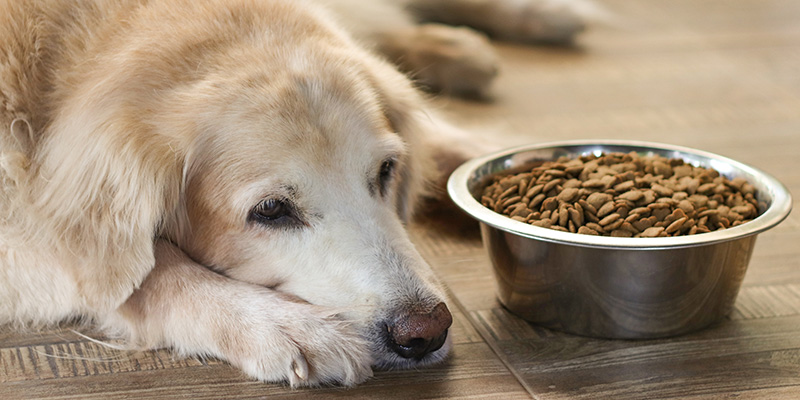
719, 75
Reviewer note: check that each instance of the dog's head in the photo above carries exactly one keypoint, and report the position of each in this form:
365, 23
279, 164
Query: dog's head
269, 148
301, 170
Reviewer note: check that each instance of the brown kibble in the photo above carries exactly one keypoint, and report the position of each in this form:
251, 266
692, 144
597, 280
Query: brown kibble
642, 224
624, 195
624, 186
593, 183
594, 226
737, 182
609, 219
606, 209
676, 225
511, 200
521, 210
614, 225
661, 213
628, 227
662, 190
543, 223
507, 193
632, 195
745, 211
587, 207
621, 233
708, 213
649, 197
576, 216
686, 206
557, 173
563, 214
568, 195
536, 201
550, 204
680, 196
633, 217
677, 214
534, 191
706, 188
551, 185
609, 181
682, 171
662, 168
597, 200
652, 232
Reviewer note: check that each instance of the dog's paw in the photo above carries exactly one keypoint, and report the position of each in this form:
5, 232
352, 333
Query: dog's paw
452, 60
303, 346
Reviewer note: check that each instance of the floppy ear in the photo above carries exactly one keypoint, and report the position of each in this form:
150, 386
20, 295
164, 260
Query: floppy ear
435, 147
99, 186
401, 104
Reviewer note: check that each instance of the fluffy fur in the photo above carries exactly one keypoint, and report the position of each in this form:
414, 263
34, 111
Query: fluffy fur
143, 141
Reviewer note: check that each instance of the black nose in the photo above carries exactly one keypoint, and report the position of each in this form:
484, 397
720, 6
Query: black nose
413, 335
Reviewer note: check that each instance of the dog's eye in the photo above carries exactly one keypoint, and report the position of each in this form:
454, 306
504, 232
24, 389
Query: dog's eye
271, 211
385, 174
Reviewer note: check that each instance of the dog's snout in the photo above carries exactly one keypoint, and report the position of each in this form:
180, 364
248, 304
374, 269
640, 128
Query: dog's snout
414, 335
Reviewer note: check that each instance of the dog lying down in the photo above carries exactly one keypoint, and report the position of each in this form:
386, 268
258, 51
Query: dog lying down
231, 178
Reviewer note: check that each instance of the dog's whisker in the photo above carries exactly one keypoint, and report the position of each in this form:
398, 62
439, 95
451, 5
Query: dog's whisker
100, 342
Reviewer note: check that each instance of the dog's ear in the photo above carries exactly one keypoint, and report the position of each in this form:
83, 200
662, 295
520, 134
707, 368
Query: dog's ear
401, 105
102, 183
435, 149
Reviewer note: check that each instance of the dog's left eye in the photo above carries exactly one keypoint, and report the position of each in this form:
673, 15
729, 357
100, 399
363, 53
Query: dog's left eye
272, 211
385, 174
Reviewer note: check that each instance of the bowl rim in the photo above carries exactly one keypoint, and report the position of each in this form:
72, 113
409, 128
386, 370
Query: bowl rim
778, 210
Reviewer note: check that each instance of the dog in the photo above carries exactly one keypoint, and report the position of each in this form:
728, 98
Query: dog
232, 178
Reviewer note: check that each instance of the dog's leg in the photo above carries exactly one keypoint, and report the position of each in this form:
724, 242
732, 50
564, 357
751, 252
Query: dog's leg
537, 21
444, 58
269, 335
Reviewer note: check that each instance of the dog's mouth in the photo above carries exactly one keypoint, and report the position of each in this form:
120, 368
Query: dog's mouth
412, 339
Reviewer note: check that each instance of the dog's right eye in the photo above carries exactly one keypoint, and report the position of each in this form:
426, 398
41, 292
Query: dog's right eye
273, 211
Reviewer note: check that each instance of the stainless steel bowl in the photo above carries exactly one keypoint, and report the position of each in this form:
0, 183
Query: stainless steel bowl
616, 287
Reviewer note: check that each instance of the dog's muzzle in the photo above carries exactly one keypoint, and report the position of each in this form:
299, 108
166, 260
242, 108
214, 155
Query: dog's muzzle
414, 335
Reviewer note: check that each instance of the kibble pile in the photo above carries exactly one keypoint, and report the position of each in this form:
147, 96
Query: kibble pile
623, 195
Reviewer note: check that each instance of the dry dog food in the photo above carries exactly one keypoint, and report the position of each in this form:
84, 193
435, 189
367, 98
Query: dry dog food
623, 195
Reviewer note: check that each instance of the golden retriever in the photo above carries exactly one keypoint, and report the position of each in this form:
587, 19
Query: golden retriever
227, 178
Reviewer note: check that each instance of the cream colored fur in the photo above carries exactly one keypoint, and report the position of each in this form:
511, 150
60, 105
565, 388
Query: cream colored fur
137, 139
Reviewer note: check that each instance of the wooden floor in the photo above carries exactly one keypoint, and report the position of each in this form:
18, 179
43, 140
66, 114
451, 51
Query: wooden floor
719, 75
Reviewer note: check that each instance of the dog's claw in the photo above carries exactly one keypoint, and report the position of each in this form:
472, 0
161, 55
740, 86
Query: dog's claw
300, 367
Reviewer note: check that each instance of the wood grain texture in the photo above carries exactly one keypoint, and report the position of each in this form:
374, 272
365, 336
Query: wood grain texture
722, 76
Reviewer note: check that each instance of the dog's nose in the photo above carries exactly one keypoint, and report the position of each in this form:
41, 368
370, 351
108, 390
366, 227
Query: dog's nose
414, 335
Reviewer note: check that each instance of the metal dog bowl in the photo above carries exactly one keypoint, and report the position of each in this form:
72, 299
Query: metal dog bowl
608, 286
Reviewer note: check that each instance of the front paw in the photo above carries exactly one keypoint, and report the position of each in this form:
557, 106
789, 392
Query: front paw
304, 347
